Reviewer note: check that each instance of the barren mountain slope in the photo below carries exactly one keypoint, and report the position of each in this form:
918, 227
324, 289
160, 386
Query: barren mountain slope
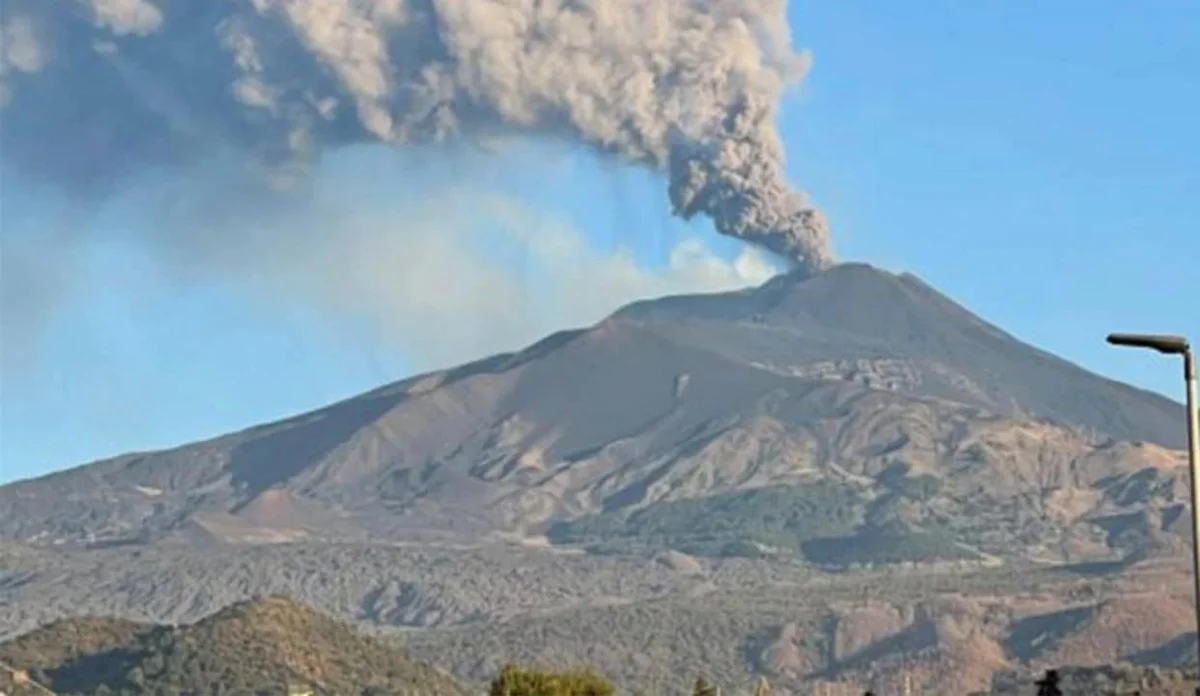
849, 376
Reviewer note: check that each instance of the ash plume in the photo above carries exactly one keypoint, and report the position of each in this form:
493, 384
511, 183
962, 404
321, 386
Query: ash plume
96, 91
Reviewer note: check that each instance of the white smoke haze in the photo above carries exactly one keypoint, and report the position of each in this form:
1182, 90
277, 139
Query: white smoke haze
95, 92
40, 269
461, 272
435, 259
33, 288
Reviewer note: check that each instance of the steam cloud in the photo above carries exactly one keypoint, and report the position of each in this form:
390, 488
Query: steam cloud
95, 91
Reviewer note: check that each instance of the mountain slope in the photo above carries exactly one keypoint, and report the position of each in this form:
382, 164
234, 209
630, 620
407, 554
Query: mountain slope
951, 642
855, 377
645, 623
844, 476
857, 313
259, 646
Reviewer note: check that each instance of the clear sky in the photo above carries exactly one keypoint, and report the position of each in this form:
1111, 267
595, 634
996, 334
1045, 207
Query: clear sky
1039, 162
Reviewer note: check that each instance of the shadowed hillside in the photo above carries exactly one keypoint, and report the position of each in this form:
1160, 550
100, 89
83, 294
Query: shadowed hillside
260, 646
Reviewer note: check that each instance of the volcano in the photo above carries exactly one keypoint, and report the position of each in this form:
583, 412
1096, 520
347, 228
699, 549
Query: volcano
842, 476
852, 377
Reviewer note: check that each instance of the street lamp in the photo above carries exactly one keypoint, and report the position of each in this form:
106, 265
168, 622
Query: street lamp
1178, 345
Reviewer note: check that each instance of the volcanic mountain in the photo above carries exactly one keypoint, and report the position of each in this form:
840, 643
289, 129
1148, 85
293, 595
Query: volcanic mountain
855, 385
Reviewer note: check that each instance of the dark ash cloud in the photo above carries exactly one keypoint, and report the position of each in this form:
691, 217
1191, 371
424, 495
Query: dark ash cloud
97, 91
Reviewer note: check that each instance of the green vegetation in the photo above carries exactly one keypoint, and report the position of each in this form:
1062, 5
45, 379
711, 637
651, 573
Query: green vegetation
820, 521
265, 646
515, 681
919, 487
878, 547
922, 487
742, 523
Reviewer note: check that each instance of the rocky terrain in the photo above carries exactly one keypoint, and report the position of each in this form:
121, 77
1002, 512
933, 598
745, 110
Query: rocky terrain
839, 477
948, 632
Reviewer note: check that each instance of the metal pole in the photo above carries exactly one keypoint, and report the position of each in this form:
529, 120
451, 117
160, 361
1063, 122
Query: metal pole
1189, 375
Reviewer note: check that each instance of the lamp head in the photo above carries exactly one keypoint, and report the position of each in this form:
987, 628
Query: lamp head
1171, 345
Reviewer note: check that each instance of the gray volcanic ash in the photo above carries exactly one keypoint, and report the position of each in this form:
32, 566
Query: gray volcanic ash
95, 90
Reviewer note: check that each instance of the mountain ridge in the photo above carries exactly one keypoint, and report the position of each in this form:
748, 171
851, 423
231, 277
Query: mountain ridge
260, 645
637, 310
847, 476
870, 287
841, 375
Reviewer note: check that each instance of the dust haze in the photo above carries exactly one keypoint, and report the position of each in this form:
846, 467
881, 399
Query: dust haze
444, 277
445, 272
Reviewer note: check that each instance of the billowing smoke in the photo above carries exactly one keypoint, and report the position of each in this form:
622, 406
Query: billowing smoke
96, 91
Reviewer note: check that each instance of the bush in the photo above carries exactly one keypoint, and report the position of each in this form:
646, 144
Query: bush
514, 681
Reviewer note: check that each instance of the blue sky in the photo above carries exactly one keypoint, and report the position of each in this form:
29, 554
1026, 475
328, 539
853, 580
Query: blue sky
1038, 162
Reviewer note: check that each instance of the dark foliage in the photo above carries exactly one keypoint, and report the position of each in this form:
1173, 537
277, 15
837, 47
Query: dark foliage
1106, 680
742, 523
515, 681
876, 546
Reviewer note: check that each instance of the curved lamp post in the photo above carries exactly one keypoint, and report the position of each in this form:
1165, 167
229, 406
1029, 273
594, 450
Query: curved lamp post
1177, 345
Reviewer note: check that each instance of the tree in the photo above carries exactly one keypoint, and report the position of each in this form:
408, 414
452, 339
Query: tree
703, 688
514, 681
1048, 685
136, 676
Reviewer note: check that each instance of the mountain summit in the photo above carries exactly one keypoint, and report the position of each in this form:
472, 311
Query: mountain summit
856, 313
854, 378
